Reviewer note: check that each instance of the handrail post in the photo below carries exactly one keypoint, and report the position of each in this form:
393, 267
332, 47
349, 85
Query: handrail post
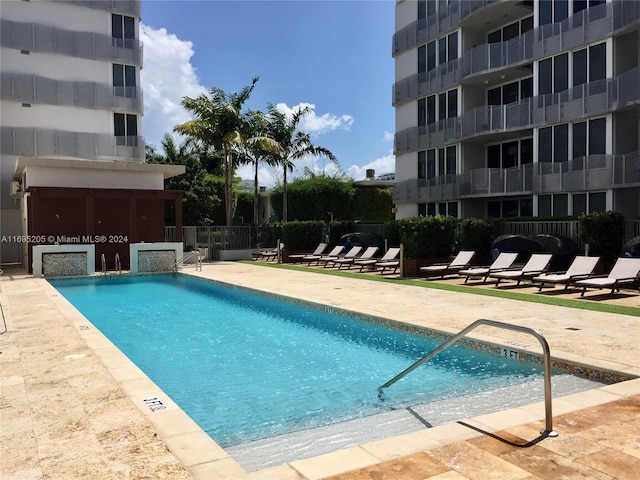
548, 431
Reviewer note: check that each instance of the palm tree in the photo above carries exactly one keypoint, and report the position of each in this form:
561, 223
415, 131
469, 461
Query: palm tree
259, 148
219, 122
294, 144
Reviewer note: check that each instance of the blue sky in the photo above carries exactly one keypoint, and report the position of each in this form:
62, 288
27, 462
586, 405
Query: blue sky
333, 55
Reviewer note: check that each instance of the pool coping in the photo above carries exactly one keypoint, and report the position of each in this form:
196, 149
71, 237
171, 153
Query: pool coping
204, 458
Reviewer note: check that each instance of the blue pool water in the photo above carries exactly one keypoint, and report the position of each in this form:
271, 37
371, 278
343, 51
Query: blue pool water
245, 366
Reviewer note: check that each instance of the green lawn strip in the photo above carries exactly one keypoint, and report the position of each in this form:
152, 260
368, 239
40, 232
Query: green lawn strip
524, 297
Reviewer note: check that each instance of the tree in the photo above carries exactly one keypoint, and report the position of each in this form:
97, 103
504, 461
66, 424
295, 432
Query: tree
219, 122
201, 196
294, 144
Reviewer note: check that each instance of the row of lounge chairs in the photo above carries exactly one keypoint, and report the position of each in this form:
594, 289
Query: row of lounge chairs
580, 274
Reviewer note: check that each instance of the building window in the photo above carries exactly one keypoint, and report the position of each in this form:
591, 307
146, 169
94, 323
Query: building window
510, 31
552, 11
422, 209
125, 128
510, 154
589, 64
124, 80
556, 205
597, 202
431, 163
431, 209
510, 92
123, 30
422, 164
579, 203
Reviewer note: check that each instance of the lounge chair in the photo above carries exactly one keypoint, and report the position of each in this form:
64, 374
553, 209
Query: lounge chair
316, 258
330, 260
626, 271
269, 255
580, 269
388, 260
300, 256
502, 262
462, 260
347, 262
537, 264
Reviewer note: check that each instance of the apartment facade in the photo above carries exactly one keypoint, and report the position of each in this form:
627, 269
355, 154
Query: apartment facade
517, 108
72, 154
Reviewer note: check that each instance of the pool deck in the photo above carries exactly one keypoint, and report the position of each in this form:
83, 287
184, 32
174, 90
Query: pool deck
74, 407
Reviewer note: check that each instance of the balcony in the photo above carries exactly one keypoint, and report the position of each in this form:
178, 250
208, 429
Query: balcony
37, 142
592, 173
587, 100
45, 39
46, 91
587, 26
131, 7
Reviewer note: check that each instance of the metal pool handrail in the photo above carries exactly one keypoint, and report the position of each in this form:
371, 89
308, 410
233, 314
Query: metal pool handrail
104, 264
548, 431
118, 263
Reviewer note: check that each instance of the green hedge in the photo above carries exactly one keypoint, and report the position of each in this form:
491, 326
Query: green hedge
604, 232
302, 235
428, 237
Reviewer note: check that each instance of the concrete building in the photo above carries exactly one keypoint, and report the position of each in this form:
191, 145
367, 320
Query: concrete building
517, 108
71, 113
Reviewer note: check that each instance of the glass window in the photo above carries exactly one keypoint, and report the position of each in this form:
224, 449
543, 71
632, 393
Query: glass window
510, 208
560, 72
597, 62
493, 209
527, 24
451, 160
495, 37
431, 55
116, 26
130, 76
442, 50
560, 10
579, 5
579, 139
544, 205
545, 144
545, 77
132, 125
129, 28
452, 103
119, 126
561, 143
509, 154
431, 209
526, 207
422, 112
560, 205
431, 109
118, 75
545, 12
510, 31
494, 96
579, 67
422, 59
422, 9
526, 88
579, 203
442, 209
422, 164
422, 209
431, 163
493, 156
597, 202
526, 151
442, 106
598, 136
441, 169
510, 93
452, 209
452, 40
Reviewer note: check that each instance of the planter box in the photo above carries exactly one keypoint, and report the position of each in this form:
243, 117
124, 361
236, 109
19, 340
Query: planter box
412, 265
225, 255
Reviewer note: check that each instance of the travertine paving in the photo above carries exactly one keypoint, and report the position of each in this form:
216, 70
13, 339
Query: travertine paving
73, 407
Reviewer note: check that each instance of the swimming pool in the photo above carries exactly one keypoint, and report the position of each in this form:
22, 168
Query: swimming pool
246, 366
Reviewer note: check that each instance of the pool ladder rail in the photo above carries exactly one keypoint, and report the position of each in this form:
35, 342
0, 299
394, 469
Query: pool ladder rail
118, 264
189, 256
548, 431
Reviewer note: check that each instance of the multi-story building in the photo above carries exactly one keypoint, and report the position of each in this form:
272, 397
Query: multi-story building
71, 112
517, 108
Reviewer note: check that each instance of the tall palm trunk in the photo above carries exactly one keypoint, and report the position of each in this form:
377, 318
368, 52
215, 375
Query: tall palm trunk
255, 196
284, 195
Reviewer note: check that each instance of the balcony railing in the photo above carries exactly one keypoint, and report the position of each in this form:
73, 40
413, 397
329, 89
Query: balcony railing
37, 142
594, 172
590, 99
41, 90
588, 26
34, 37
124, 6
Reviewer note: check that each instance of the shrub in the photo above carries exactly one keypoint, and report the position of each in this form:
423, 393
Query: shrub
302, 235
604, 232
477, 234
428, 237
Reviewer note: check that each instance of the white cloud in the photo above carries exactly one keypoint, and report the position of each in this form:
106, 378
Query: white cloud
382, 165
314, 124
167, 76
388, 136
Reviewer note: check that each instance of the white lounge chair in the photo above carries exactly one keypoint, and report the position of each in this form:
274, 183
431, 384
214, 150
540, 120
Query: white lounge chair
388, 260
300, 256
316, 258
537, 264
269, 255
626, 271
581, 268
462, 260
347, 262
502, 262
351, 254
